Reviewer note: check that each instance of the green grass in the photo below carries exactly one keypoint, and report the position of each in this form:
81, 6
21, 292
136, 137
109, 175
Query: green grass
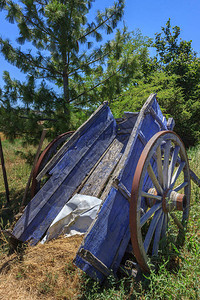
18, 162
177, 277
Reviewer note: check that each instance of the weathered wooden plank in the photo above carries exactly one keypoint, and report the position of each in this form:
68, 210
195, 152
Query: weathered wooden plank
72, 140
60, 186
148, 132
75, 153
170, 124
34, 230
126, 125
134, 134
156, 117
109, 231
95, 262
96, 182
123, 190
110, 227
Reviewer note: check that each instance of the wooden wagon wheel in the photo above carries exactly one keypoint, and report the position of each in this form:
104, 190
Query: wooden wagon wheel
158, 211
45, 156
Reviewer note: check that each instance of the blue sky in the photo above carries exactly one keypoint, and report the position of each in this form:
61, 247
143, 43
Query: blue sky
147, 15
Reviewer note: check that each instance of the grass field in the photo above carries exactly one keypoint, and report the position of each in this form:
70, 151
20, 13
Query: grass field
46, 271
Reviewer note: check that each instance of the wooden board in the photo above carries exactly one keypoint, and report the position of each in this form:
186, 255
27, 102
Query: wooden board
67, 175
96, 182
84, 127
109, 235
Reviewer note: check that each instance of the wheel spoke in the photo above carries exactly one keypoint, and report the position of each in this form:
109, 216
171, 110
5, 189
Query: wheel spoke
176, 221
181, 186
157, 235
177, 173
154, 179
149, 213
151, 229
173, 163
152, 196
166, 164
162, 173
159, 166
164, 226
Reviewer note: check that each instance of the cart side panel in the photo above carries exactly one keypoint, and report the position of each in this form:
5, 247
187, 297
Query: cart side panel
81, 157
109, 236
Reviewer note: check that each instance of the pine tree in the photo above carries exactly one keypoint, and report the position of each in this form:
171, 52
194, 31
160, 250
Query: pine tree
64, 51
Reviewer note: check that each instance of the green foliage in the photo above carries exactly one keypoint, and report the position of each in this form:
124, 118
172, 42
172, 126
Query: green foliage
61, 55
174, 74
176, 56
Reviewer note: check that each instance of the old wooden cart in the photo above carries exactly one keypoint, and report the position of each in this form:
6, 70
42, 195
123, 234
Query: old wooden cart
138, 166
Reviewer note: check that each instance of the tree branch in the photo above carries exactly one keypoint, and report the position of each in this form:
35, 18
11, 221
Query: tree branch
87, 64
98, 26
92, 88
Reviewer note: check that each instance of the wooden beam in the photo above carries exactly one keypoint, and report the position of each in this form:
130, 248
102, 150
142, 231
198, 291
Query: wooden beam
33, 167
4, 173
94, 261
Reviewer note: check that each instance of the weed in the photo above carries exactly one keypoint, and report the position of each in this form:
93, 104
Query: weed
48, 284
69, 269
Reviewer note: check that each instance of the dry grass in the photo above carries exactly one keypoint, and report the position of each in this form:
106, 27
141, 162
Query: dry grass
43, 272
46, 271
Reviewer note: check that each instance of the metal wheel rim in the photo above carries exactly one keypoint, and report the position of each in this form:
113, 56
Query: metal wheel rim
138, 242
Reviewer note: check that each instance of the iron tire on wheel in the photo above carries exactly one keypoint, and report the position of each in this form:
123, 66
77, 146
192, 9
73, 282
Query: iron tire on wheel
155, 198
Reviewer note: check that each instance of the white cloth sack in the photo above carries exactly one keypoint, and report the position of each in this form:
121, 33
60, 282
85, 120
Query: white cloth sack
75, 217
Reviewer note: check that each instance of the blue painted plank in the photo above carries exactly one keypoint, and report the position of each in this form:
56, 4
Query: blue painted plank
75, 136
55, 193
158, 112
108, 238
38, 226
109, 231
83, 143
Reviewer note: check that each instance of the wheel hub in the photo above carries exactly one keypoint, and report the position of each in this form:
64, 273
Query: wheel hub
173, 201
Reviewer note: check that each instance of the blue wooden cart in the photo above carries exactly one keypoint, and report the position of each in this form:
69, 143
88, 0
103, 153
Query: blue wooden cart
137, 166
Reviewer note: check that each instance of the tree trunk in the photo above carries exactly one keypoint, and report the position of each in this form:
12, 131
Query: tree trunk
66, 96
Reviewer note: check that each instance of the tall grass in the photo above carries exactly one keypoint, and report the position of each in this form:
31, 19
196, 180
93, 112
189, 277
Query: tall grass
176, 278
